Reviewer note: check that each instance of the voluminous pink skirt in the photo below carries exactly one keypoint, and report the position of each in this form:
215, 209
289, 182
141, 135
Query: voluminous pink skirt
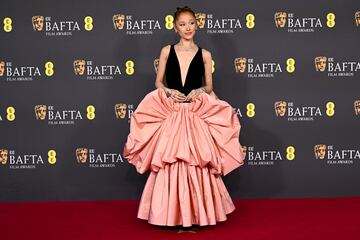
187, 147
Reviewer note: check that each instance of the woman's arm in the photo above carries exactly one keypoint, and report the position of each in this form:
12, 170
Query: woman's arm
164, 53
208, 73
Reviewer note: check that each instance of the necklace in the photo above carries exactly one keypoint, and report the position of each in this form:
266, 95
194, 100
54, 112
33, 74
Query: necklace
188, 49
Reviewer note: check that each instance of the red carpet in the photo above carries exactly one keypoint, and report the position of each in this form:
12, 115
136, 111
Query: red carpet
290, 219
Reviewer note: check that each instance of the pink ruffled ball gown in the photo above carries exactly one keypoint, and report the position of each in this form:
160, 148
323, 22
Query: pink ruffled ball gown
187, 147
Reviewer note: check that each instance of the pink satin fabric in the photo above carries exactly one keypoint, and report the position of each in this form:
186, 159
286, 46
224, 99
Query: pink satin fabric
187, 147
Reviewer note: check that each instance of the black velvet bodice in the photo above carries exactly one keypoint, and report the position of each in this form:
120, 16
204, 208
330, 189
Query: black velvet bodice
194, 77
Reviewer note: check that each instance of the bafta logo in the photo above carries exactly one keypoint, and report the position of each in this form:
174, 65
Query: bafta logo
40, 112
357, 18
280, 108
280, 19
156, 64
120, 110
320, 150
81, 155
240, 64
119, 21
200, 19
3, 156
2, 68
79, 67
38, 23
320, 63
357, 107
244, 149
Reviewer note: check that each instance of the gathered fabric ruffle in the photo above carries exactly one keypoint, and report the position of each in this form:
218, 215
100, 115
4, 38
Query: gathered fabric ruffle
204, 133
187, 147
181, 194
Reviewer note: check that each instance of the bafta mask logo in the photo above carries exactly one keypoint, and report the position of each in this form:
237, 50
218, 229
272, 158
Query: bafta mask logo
81, 155
40, 112
3, 156
156, 64
119, 21
357, 18
244, 149
357, 107
320, 63
280, 108
200, 19
240, 64
120, 110
320, 151
280, 19
38, 23
2, 68
79, 67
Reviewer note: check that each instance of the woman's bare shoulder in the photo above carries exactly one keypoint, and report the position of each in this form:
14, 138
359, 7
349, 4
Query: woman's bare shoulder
165, 50
206, 54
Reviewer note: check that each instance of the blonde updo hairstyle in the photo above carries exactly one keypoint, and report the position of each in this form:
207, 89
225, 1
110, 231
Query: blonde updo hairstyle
180, 10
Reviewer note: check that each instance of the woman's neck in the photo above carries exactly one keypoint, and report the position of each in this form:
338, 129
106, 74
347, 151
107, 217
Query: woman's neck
186, 43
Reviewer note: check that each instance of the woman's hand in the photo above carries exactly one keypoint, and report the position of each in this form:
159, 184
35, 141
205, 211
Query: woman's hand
194, 94
175, 94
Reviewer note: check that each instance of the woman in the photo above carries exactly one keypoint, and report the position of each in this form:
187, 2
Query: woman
186, 136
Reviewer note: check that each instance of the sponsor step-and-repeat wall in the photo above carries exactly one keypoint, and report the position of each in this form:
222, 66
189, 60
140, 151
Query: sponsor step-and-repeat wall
72, 73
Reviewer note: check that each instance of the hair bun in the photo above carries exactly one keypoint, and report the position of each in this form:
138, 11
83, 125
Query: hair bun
180, 10
184, 7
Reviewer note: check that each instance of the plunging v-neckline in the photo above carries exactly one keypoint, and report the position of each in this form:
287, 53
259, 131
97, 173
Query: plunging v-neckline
177, 59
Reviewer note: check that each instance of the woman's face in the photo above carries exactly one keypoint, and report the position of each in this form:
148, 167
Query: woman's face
186, 25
